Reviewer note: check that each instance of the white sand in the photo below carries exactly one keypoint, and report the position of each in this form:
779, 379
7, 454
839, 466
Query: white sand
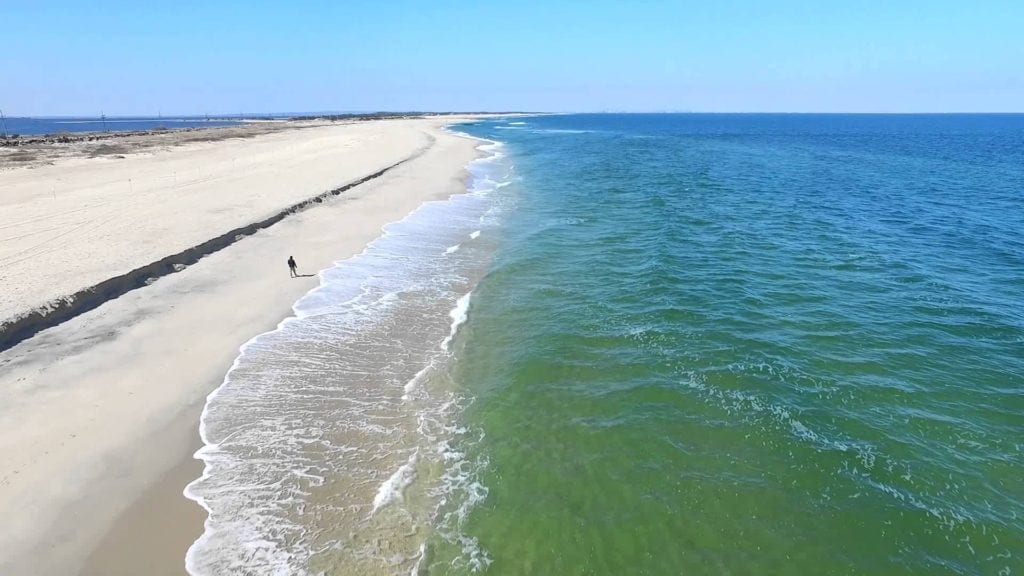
73, 224
99, 409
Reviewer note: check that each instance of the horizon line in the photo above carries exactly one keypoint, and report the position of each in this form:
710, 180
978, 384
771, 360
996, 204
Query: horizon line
286, 115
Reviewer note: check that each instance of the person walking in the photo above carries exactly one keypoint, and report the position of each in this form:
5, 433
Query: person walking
293, 267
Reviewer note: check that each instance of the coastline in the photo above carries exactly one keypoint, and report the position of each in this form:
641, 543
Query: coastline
103, 420
338, 422
160, 199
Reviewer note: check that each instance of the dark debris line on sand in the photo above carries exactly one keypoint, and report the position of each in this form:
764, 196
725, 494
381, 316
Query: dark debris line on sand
59, 311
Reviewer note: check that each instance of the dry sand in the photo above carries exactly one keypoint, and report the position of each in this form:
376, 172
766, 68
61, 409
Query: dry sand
99, 415
70, 225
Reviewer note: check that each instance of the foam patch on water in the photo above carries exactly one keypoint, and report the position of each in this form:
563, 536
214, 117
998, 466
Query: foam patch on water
474, 235
420, 557
463, 492
459, 314
414, 383
393, 488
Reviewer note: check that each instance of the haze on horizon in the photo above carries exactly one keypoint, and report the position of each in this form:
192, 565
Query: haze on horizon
126, 58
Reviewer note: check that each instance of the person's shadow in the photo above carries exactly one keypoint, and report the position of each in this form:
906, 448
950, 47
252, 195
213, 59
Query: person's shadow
303, 275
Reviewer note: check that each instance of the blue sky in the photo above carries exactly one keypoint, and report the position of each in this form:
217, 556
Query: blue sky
71, 57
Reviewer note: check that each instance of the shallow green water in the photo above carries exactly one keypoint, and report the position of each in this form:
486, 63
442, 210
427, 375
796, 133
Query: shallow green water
748, 345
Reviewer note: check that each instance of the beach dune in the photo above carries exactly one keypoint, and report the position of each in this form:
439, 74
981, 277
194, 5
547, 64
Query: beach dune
100, 413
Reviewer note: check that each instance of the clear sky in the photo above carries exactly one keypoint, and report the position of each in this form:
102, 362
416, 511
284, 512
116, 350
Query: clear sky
62, 57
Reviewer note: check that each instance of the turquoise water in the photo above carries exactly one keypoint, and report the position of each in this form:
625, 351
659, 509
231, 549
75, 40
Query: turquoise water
747, 344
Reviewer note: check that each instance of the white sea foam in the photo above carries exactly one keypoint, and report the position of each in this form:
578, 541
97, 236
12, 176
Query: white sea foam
452, 249
419, 560
416, 380
474, 235
306, 407
461, 484
458, 315
392, 490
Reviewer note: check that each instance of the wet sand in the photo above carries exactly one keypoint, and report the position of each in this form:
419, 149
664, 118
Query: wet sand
130, 548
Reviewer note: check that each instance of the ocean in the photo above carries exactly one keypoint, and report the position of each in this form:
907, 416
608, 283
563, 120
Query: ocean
653, 344
36, 126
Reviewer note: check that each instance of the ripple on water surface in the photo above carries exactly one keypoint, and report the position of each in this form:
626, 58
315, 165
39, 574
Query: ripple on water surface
756, 344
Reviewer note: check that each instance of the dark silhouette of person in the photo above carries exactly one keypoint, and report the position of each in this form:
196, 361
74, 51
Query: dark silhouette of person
293, 267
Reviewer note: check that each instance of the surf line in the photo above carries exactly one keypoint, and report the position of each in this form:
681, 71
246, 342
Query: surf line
63, 309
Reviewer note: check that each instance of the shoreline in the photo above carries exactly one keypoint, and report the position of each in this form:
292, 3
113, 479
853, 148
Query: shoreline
226, 444
132, 375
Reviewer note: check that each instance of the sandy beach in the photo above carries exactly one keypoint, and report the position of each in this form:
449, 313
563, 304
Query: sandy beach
100, 413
